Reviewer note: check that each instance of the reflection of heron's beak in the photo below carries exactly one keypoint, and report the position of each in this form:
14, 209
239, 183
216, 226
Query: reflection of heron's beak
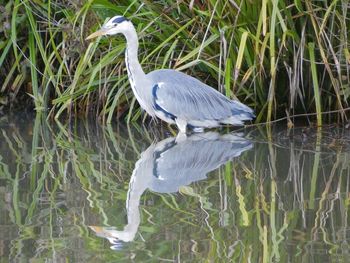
96, 229
98, 33
101, 231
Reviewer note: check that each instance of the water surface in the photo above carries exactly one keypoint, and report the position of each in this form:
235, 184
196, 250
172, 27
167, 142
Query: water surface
83, 192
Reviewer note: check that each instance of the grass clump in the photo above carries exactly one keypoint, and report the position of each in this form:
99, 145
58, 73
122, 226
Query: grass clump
275, 56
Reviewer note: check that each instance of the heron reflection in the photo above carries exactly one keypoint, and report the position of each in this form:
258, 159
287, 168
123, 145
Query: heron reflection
169, 164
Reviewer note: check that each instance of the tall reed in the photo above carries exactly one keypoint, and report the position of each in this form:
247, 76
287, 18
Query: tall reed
275, 56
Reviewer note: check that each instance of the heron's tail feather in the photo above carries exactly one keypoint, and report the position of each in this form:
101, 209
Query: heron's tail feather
241, 111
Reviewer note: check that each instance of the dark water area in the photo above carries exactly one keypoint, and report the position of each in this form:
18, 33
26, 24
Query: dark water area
85, 192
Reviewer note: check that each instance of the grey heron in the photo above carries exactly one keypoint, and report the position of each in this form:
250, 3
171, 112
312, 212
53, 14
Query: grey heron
170, 165
173, 96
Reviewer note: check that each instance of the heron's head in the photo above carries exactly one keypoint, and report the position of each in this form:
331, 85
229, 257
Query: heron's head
115, 25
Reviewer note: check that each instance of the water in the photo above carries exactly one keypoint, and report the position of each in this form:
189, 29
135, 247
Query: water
89, 193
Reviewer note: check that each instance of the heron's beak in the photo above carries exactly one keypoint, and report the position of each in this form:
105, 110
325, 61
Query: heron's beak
98, 33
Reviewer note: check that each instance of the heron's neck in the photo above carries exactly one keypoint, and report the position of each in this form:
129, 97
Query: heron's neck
133, 66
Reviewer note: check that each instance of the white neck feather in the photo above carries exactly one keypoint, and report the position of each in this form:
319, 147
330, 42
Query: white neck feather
132, 62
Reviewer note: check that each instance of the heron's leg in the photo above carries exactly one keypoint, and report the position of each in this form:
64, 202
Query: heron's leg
181, 124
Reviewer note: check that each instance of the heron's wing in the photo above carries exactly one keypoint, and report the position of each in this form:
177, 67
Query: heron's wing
185, 97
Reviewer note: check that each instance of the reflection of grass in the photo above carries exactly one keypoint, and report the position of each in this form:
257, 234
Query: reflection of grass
58, 179
315, 168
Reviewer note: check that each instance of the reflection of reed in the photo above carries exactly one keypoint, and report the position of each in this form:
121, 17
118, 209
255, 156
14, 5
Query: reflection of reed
287, 200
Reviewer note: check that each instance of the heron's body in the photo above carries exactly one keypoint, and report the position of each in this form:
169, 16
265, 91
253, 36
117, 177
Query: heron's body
173, 96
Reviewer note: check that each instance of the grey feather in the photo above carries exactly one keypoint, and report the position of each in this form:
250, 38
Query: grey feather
189, 99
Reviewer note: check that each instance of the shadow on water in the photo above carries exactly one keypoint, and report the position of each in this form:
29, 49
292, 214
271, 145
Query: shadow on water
261, 196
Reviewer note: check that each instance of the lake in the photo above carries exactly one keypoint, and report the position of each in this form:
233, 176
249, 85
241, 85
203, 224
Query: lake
86, 192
